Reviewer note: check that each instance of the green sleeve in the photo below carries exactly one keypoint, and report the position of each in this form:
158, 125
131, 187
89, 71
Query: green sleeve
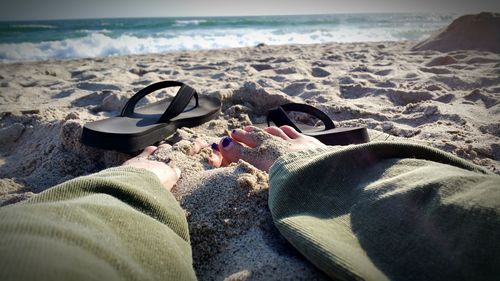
119, 224
389, 211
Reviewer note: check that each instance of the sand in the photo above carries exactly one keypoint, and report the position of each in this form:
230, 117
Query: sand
448, 100
469, 32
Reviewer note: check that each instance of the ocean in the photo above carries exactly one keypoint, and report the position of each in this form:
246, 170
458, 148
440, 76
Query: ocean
90, 38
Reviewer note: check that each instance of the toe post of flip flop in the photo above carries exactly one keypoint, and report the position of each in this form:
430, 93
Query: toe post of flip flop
330, 135
137, 128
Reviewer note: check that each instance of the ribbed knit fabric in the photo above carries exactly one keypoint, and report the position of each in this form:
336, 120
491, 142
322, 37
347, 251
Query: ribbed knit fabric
119, 224
389, 211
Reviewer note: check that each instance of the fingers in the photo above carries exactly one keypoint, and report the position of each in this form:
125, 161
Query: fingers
169, 176
290, 132
277, 132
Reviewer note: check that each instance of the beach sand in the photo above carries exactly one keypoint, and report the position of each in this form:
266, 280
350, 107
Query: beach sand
448, 100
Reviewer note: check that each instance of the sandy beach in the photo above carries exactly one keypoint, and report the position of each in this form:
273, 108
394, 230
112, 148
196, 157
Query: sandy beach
447, 100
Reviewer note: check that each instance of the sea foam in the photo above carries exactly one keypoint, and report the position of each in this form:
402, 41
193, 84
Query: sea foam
88, 38
102, 45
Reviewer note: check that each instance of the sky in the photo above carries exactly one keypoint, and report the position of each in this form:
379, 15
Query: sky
78, 9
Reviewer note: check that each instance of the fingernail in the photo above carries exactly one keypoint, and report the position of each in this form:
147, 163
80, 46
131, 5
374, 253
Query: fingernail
215, 146
226, 142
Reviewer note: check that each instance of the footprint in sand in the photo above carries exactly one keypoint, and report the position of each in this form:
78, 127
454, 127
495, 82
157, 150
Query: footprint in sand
64, 94
477, 95
384, 72
319, 72
435, 70
444, 60
261, 67
11, 133
82, 75
481, 60
287, 70
294, 89
97, 86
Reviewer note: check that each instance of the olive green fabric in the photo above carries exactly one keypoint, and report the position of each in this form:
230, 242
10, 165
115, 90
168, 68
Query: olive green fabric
119, 224
389, 211
376, 211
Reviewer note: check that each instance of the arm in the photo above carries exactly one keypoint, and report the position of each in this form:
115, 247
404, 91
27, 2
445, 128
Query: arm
120, 223
388, 211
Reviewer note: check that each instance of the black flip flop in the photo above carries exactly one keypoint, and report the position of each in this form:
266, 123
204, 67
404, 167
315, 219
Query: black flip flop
329, 135
137, 128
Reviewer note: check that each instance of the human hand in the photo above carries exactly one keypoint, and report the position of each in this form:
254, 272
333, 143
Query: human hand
167, 175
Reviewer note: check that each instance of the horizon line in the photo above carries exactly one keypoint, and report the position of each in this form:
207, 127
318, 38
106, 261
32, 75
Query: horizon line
266, 15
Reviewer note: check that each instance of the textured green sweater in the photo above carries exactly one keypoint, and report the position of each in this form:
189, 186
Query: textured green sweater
119, 224
376, 211
387, 211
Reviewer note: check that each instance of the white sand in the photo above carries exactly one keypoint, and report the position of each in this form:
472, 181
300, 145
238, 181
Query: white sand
445, 100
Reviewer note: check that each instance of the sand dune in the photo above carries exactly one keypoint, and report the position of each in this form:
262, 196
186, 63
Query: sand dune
470, 32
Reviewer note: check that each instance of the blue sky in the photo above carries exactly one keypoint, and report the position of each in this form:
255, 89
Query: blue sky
66, 9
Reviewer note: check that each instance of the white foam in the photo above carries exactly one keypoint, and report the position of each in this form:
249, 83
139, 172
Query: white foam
188, 22
97, 44
46, 26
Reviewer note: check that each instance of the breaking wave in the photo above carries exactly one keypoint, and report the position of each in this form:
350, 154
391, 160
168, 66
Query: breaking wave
88, 38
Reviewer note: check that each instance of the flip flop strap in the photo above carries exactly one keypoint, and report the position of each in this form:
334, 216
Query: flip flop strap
279, 117
177, 105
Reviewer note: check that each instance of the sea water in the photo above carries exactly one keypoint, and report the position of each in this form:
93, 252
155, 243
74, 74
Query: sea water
66, 39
